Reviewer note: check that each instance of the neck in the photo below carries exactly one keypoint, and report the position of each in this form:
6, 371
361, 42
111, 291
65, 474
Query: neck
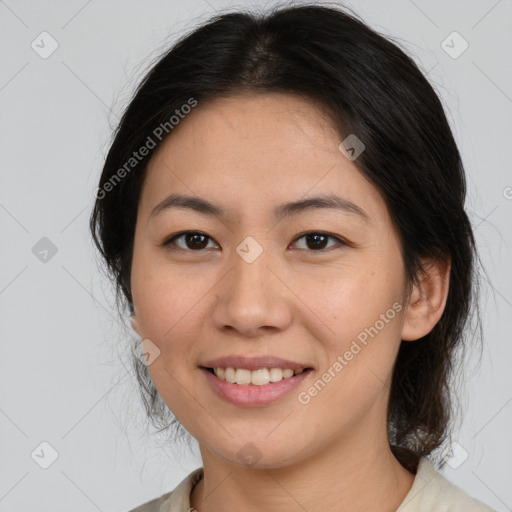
343, 477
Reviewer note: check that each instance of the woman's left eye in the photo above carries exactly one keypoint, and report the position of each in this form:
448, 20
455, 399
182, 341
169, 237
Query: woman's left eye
317, 240
314, 240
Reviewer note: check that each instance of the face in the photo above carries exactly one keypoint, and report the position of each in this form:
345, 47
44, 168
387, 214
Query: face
320, 287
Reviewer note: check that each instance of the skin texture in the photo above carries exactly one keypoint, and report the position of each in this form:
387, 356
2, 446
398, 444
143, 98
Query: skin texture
249, 154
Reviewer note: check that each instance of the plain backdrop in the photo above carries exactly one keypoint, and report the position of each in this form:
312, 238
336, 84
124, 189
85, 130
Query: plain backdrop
67, 400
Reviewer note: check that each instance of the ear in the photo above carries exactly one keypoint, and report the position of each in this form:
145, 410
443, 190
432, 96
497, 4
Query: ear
427, 299
135, 323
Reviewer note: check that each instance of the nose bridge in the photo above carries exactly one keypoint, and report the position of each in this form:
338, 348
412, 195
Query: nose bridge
251, 297
251, 276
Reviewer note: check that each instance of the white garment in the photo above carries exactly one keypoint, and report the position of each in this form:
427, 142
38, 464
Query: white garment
430, 492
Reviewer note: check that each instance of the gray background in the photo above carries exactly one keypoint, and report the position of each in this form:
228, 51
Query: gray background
64, 380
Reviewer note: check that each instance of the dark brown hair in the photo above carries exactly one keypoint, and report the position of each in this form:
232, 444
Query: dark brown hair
369, 87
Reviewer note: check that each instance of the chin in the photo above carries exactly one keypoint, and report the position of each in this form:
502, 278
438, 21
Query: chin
259, 453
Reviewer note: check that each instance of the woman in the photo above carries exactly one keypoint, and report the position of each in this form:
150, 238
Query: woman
282, 209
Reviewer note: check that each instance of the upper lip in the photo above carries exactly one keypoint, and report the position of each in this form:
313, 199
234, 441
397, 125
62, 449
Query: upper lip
253, 363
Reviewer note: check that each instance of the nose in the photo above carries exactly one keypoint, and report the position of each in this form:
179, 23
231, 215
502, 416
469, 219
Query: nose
252, 298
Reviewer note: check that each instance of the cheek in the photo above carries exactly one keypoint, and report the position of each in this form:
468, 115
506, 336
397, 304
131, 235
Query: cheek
169, 312
360, 310
351, 299
360, 351
166, 299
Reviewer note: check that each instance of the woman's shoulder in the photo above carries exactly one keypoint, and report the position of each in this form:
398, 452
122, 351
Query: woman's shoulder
177, 500
431, 491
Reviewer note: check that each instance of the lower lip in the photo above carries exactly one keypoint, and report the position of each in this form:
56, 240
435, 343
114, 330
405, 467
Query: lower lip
250, 395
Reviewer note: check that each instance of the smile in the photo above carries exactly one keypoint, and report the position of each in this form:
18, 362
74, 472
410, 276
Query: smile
246, 393
259, 377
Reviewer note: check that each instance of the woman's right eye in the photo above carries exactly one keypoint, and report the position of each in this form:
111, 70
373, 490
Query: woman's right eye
192, 240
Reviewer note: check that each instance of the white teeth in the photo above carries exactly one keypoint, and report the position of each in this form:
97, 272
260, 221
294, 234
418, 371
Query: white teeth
229, 375
243, 376
276, 374
258, 377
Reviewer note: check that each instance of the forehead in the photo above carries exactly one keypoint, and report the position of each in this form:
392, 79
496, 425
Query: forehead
252, 151
273, 125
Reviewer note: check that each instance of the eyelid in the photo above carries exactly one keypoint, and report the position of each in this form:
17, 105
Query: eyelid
341, 241
170, 239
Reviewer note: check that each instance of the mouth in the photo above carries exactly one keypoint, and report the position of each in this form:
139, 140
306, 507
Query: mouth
254, 393
253, 381
258, 377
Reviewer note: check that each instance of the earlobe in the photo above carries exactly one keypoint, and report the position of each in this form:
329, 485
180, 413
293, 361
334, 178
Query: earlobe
427, 300
135, 323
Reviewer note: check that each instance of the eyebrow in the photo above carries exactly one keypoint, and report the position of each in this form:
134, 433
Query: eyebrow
198, 204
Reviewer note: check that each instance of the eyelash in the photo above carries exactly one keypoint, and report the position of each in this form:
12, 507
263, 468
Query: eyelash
170, 241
